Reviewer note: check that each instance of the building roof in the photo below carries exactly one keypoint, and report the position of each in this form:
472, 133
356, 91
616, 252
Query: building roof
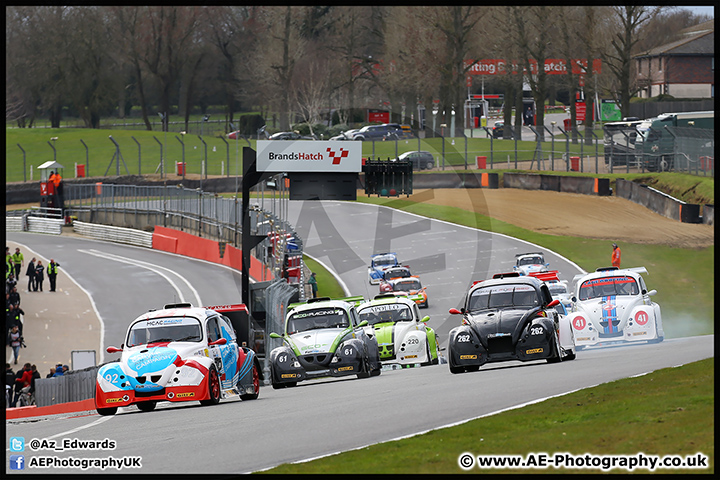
696, 40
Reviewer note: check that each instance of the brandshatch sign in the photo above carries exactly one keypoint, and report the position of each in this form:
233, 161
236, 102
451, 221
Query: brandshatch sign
309, 156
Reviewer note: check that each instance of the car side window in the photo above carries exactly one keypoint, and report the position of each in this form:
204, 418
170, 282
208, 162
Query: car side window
227, 329
353, 317
213, 330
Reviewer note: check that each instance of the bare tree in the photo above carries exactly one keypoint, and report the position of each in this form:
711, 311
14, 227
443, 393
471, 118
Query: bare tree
619, 58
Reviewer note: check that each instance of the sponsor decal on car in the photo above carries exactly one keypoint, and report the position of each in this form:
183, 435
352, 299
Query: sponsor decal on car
345, 369
468, 357
288, 375
533, 350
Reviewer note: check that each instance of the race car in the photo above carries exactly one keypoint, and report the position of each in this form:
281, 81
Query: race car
530, 262
179, 353
323, 337
558, 288
378, 264
410, 285
402, 336
614, 304
401, 271
509, 317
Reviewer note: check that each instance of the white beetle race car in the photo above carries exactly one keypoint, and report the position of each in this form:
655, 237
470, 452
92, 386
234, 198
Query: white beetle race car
179, 353
530, 262
614, 304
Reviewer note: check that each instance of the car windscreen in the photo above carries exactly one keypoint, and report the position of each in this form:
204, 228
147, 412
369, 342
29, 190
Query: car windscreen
384, 260
167, 329
608, 286
530, 261
503, 296
324, 317
394, 312
407, 286
557, 289
397, 273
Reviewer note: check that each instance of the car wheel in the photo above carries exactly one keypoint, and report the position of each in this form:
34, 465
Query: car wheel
213, 388
429, 165
427, 354
365, 373
146, 406
457, 369
558, 352
569, 356
107, 411
256, 385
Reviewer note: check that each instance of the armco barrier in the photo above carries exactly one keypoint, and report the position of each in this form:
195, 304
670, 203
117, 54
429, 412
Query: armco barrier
558, 183
658, 202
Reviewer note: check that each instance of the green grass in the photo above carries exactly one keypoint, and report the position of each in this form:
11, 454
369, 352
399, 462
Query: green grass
670, 412
222, 158
327, 285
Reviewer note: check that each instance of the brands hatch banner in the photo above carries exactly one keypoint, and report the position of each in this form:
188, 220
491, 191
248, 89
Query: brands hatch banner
553, 66
309, 156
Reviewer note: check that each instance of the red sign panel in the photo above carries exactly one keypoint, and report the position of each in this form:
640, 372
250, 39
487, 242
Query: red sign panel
381, 116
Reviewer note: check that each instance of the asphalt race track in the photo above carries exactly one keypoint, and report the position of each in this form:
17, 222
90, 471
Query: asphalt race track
320, 417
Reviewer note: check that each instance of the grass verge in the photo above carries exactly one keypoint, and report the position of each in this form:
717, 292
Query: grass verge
671, 419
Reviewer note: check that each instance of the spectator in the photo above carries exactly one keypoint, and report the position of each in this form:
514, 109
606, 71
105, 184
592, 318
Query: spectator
10, 282
13, 318
39, 276
51, 374
9, 376
615, 258
22, 379
65, 369
13, 297
18, 261
35, 376
31, 274
52, 273
58, 370
14, 340
313, 285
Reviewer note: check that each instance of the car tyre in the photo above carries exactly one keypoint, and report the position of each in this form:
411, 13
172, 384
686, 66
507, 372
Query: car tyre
256, 385
558, 351
147, 406
213, 388
107, 411
457, 369
429, 165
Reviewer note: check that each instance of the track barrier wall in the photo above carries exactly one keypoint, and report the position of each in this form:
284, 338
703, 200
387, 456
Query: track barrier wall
660, 202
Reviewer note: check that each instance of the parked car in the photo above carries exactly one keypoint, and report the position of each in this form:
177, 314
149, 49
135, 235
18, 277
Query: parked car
290, 136
179, 353
420, 159
323, 337
509, 317
497, 130
614, 304
403, 336
378, 132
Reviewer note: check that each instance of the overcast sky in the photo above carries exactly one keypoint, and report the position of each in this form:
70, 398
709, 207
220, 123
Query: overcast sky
703, 10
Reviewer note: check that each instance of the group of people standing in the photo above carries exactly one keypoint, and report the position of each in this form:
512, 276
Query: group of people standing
35, 270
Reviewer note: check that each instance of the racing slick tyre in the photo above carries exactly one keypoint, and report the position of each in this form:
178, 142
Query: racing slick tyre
107, 411
558, 351
256, 385
213, 388
278, 385
457, 369
569, 356
146, 406
365, 373
430, 360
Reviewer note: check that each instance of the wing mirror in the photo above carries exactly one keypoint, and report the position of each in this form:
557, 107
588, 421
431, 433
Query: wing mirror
362, 324
455, 311
426, 318
275, 335
553, 303
113, 349
219, 341
651, 293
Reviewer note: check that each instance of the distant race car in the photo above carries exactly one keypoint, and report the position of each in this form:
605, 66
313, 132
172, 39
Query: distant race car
402, 335
614, 304
530, 262
378, 264
179, 353
558, 288
396, 272
509, 317
409, 285
322, 338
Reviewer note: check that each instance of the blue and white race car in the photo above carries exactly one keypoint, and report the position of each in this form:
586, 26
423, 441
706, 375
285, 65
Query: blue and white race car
614, 304
530, 262
378, 264
179, 353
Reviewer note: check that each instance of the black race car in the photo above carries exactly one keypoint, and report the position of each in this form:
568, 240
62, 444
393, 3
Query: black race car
509, 317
